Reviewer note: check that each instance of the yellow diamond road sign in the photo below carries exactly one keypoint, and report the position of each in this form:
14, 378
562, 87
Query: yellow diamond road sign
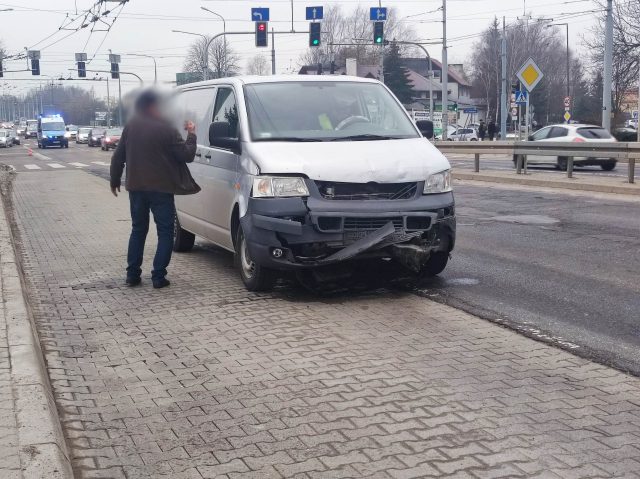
529, 74
567, 116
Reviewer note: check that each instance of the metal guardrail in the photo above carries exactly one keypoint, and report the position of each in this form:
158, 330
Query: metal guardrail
625, 152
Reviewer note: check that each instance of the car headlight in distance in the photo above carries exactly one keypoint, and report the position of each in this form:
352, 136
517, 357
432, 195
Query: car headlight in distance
67, 134
438, 183
274, 186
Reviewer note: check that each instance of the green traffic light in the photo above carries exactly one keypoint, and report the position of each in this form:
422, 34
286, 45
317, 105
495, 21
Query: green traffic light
316, 42
378, 39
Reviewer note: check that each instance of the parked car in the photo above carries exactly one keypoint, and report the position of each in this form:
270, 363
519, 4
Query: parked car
83, 135
95, 137
463, 134
572, 133
6, 141
312, 175
626, 134
110, 138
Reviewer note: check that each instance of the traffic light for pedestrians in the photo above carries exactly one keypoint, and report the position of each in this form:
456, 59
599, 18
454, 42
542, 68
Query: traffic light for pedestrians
115, 71
314, 34
82, 70
262, 34
378, 33
35, 67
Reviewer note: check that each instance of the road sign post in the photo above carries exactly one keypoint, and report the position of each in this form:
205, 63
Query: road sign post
529, 75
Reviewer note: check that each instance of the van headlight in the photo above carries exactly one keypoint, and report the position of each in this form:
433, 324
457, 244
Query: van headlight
273, 186
438, 183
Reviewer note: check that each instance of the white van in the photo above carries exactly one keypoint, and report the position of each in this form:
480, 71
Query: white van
303, 173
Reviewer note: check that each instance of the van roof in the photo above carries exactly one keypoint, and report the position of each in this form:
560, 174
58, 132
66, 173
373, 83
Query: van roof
251, 79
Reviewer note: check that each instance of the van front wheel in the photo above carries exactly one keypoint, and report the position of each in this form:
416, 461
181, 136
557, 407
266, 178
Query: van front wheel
254, 276
183, 240
435, 264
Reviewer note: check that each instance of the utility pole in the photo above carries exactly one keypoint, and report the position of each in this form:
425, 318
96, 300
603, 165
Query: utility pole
273, 51
503, 95
108, 105
445, 73
608, 68
119, 103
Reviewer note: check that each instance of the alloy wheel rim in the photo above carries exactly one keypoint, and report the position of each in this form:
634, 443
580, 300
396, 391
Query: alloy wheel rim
247, 265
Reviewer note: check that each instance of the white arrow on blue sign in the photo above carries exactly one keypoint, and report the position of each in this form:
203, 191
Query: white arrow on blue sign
260, 14
315, 13
635, 114
378, 14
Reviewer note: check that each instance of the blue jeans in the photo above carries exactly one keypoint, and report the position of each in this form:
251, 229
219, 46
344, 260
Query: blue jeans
163, 209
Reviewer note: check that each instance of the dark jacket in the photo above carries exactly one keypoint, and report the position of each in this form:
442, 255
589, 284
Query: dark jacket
155, 155
491, 129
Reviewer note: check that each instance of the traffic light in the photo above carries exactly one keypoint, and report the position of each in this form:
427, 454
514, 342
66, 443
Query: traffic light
35, 67
314, 34
262, 34
82, 70
1, 72
115, 71
378, 33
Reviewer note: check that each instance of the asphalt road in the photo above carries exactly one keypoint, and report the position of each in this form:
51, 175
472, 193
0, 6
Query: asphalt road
562, 267
504, 163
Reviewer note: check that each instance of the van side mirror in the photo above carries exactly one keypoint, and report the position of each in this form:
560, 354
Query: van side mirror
530, 138
219, 136
426, 128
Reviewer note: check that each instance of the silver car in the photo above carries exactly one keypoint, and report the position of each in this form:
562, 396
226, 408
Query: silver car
312, 175
6, 140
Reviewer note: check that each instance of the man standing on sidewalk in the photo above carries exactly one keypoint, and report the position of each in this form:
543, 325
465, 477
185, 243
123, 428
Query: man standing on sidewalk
155, 156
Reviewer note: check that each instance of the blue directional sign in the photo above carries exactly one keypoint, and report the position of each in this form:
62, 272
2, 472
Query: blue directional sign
634, 114
378, 14
315, 13
260, 14
469, 110
521, 97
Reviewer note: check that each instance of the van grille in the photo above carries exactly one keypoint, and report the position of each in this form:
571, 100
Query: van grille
331, 190
354, 224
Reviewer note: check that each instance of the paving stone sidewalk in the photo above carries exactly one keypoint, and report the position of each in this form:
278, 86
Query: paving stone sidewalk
205, 380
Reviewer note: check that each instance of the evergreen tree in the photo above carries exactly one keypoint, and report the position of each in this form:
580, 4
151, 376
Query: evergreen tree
396, 76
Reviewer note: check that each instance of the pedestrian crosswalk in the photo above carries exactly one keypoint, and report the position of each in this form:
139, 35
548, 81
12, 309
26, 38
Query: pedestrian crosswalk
42, 166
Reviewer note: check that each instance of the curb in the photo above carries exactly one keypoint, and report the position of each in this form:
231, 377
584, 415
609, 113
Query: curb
627, 189
42, 447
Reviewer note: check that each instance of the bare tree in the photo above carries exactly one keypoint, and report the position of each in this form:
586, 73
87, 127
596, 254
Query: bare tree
258, 65
219, 61
626, 50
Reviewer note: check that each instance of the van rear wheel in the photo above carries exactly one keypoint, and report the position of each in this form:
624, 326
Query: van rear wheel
254, 276
183, 240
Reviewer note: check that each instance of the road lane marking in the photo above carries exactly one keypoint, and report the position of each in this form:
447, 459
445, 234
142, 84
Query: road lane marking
101, 163
40, 156
78, 164
32, 167
56, 165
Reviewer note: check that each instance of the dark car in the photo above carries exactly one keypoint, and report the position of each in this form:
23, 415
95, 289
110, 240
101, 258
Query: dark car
95, 137
626, 134
16, 137
111, 138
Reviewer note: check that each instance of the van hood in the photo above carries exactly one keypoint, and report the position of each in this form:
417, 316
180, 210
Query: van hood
383, 161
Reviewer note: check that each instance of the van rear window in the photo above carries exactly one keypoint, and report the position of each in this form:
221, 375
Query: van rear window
594, 133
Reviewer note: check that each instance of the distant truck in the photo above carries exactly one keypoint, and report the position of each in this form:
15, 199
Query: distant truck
51, 132
31, 129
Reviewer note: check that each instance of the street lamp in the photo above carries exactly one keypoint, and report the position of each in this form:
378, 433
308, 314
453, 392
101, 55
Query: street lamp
155, 65
224, 29
205, 68
568, 68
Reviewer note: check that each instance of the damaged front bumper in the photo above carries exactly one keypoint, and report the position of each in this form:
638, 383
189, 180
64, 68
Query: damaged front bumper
300, 233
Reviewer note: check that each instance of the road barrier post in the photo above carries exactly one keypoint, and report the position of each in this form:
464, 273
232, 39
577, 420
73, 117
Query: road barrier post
570, 167
632, 170
476, 163
524, 164
518, 164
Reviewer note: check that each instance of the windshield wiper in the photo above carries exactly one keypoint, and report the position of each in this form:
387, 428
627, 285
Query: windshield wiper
364, 137
289, 138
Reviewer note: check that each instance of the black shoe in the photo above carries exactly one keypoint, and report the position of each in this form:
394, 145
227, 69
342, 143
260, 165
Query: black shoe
133, 281
161, 283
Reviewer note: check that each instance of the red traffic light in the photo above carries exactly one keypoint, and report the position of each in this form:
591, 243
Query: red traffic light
262, 27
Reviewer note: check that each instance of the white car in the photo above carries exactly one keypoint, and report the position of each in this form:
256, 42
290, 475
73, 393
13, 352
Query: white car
464, 134
572, 133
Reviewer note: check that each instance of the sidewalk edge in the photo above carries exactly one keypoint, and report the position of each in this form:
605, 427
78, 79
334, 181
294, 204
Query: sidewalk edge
515, 180
43, 449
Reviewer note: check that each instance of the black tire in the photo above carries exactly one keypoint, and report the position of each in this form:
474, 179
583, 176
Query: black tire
435, 265
183, 240
608, 166
562, 163
254, 276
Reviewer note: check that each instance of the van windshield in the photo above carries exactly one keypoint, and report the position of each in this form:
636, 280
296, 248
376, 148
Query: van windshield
53, 126
325, 111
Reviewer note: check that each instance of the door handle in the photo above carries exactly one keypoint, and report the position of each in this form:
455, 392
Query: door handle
199, 155
208, 157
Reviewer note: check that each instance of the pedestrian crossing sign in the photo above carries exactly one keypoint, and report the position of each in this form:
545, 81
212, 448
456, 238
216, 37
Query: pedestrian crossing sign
521, 97
529, 74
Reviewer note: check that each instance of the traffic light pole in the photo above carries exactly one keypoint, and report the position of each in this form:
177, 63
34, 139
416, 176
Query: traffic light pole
273, 50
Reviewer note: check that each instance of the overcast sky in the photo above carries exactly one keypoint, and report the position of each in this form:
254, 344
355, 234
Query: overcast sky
144, 26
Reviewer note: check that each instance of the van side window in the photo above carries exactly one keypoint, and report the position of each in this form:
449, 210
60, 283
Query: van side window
225, 114
195, 105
